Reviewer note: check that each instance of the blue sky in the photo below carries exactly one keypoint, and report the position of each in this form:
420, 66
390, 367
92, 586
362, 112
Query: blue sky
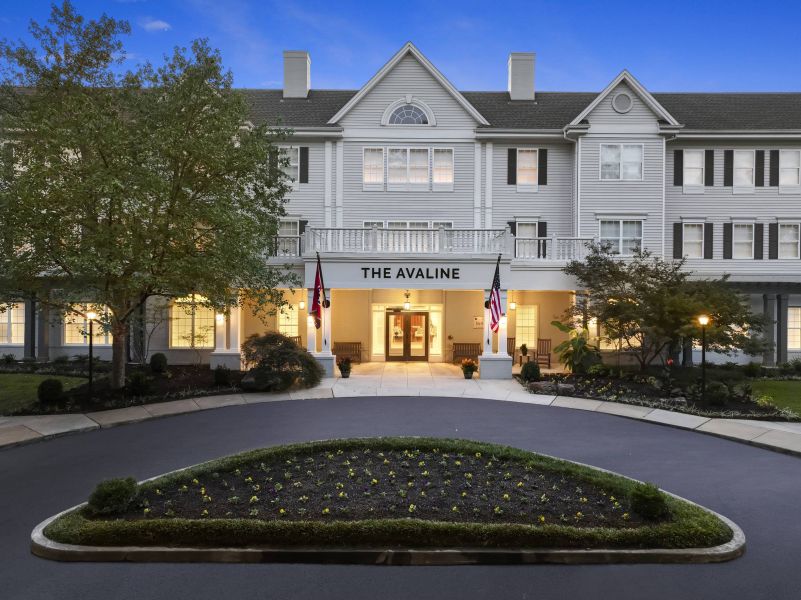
670, 46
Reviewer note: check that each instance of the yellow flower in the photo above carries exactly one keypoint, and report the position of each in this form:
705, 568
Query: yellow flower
582, 499
204, 513
506, 497
281, 511
195, 481
478, 454
541, 519
147, 511
326, 511
254, 499
464, 494
412, 508
519, 484
626, 516
455, 508
248, 479
373, 481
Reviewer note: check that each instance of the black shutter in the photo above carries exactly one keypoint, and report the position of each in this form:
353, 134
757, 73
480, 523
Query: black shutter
542, 229
678, 167
511, 166
709, 240
542, 245
709, 168
303, 176
727, 233
273, 158
759, 240
773, 241
542, 166
302, 226
774, 168
728, 168
759, 168
512, 226
678, 239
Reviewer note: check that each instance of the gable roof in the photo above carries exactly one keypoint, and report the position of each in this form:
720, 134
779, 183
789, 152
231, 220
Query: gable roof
638, 89
408, 48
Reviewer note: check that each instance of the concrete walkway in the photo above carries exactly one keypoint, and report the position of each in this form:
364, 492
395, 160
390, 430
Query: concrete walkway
404, 380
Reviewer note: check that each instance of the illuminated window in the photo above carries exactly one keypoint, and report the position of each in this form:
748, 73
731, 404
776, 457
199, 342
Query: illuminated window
191, 324
526, 326
76, 326
794, 328
526, 166
288, 321
12, 324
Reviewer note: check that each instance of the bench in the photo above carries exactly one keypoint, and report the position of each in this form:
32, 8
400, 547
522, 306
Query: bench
351, 350
296, 339
462, 350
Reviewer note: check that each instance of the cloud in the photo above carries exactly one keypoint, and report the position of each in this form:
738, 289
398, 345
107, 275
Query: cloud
154, 25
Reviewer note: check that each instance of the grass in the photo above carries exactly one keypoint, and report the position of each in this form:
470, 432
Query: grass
18, 390
785, 393
688, 525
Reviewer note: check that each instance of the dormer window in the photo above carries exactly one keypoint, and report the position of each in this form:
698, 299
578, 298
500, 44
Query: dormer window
408, 114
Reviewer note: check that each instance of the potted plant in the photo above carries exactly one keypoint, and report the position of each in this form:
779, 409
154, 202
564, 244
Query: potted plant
469, 366
344, 367
523, 350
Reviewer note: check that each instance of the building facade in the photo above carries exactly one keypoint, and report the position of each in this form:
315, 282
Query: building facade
410, 189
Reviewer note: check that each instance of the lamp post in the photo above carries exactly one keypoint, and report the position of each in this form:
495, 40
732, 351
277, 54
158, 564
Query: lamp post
91, 316
703, 320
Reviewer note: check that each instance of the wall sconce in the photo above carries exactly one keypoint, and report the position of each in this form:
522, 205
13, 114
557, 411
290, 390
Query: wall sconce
512, 305
220, 318
301, 305
406, 304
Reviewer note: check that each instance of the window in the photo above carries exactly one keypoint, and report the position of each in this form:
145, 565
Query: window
693, 240
794, 328
526, 321
743, 240
408, 114
743, 168
191, 325
76, 326
442, 225
789, 236
526, 229
442, 176
409, 224
373, 168
12, 324
526, 167
694, 168
288, 242
407, 168
790, 168
624, 237
621, 162
292, 154
288, 321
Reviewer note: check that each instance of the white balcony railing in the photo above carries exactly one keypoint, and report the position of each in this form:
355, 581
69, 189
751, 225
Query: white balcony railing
406, 241
287, 246
551, 248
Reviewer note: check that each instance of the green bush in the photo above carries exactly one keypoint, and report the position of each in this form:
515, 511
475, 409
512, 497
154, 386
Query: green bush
138, 383
752, 369
278, 363
796, 364
9, 359
50, 391
222, 376
530, 372
158, 363
786, 369
598, 370
113, 496
717, 393
648, 502
61, 360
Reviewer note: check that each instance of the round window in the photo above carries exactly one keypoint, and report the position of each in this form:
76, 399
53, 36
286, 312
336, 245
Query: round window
622, 102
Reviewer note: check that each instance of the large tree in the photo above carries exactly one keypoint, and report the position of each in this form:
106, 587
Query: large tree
131, 184
651, 306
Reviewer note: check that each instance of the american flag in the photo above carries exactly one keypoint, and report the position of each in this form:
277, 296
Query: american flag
495, 298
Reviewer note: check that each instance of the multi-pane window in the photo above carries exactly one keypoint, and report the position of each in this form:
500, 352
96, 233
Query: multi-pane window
76, 325
693, 237
442, 175
288, 321
743, 168
526, 166
12, 324
794, 328
790, 168
418, 166
191, 324
292, 154
694, 167
288, 241
743, 240
526, 229
409, 224
624, 237
407, 168
621, 162
373, 167
789, 236
526, 326
408, 114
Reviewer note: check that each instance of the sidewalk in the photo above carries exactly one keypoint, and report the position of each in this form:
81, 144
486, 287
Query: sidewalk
377, 379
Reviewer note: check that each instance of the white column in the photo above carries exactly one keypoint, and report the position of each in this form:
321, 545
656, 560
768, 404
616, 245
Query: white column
487, 331
311, 330
234, 329
326, 329
477, 186
503, 327
488, 188
219, 332
340, 184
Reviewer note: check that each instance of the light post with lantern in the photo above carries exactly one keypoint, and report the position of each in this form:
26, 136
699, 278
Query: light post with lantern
703, 320
91, 316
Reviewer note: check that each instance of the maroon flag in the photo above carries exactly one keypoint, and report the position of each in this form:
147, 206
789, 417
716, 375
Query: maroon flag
495, 298
318, 300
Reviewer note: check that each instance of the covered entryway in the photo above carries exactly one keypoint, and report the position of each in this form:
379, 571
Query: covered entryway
406, 336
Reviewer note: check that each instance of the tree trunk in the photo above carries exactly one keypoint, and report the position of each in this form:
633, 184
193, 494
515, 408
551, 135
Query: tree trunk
119, 336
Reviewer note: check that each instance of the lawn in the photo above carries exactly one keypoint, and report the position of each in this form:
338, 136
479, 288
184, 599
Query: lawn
18, 390
785, 394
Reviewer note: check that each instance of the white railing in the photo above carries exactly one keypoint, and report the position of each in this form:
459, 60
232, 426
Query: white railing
287, 246
551, 248
406, 241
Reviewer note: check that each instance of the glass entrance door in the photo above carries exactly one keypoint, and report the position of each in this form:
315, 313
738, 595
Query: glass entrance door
407, 336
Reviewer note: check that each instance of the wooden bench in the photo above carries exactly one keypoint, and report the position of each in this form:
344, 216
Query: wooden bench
296, 339
351, 350
462, 350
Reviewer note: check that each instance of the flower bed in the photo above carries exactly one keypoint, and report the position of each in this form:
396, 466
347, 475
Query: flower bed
393, 492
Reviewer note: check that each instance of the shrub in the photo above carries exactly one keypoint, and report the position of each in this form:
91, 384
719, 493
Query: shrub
138, 383
796, 364
598, 370
113, 496
576, 353
9, 359
717, 393
158, 363
648, 502
50, 392
277, 363
222, 376
786, 369
752, 370
530, 372
61, 360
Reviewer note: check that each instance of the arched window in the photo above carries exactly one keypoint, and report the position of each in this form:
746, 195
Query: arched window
408, 114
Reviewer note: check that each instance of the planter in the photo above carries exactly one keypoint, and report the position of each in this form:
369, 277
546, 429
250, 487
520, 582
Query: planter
345, 374
468, 375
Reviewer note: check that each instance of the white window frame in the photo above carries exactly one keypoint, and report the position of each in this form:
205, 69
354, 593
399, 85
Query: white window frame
407, 186
519, 222
286, 152
620, 237
75, 317
734, 227
684, 238
743, 189
790, 310
443, 187
408, 99
528, 187
798, 242
520, 337
288, 321
693, 188
8, 318
288, 244
792, 188
620, 170
193, 326
375, 186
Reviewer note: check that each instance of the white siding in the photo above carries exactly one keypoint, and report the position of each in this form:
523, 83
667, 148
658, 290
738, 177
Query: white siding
306, 199
604, 119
